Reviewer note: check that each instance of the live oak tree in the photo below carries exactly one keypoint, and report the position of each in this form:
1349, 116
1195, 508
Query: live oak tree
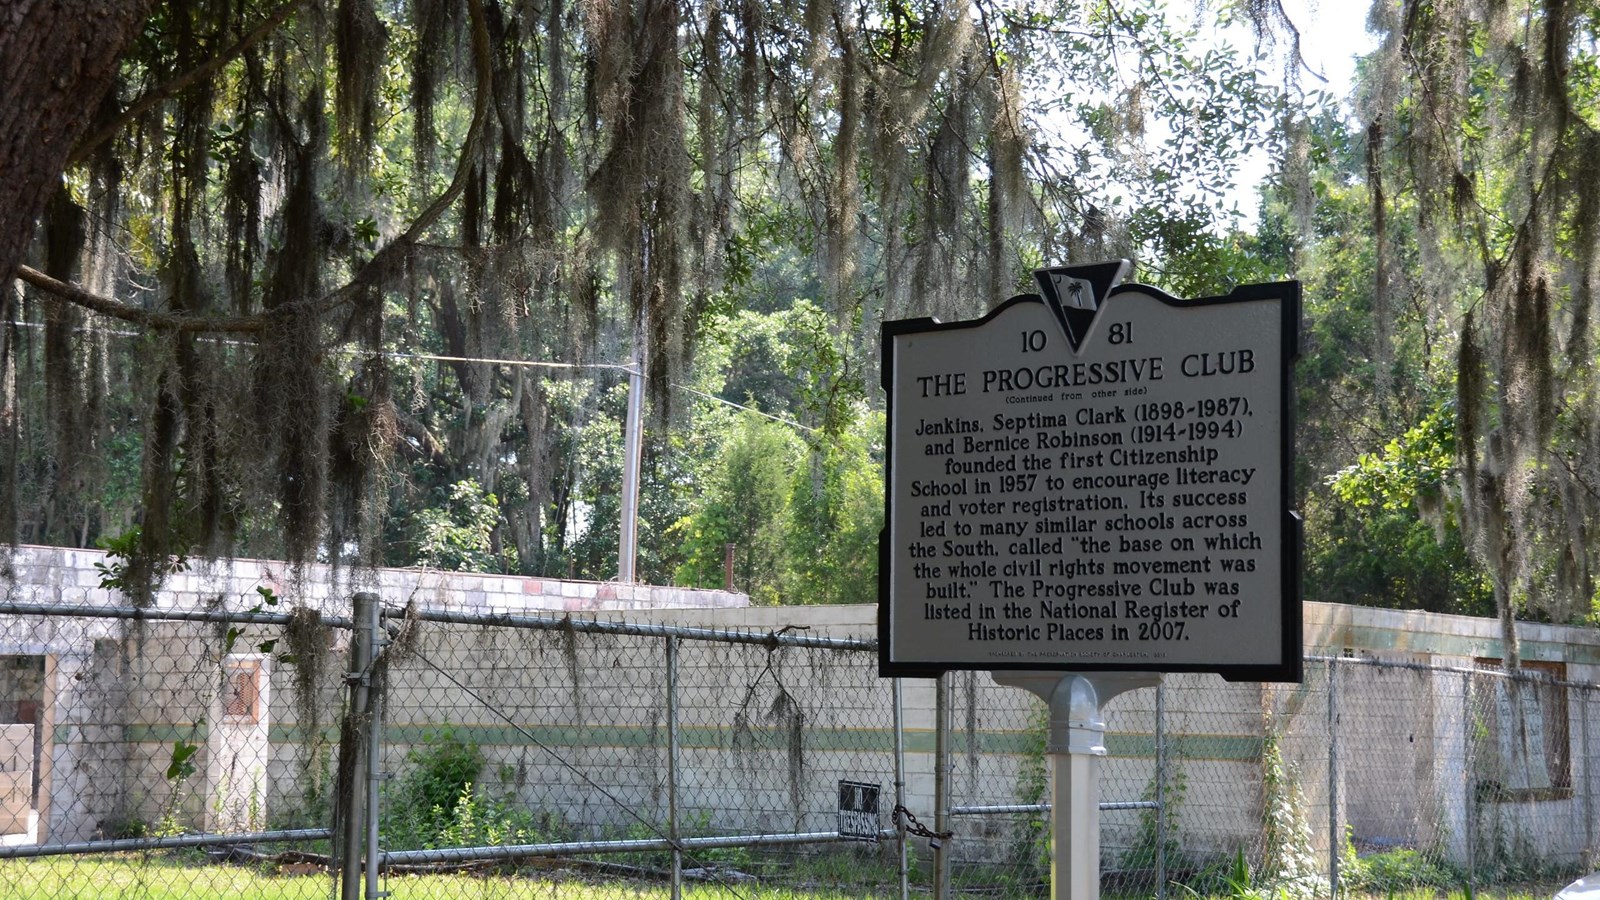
1373, 477
1482, 137
283, 270
58, 59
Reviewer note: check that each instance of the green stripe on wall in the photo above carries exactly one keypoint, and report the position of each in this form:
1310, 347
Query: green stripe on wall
1224, 747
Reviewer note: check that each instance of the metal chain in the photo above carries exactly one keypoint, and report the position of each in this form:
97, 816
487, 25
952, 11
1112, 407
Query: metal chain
912, 826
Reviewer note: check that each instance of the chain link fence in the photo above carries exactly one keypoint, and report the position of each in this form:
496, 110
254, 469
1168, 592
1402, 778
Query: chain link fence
218, 753
167, 754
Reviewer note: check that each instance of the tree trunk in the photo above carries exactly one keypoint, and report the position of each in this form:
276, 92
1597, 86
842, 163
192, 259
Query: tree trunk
57, 60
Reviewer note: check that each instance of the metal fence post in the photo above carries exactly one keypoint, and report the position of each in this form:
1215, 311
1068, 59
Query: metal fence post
1161, 789
672, 767
1334, 836
379, 684
1469, 787
352, 797
1584, 697
941, 785
900, 787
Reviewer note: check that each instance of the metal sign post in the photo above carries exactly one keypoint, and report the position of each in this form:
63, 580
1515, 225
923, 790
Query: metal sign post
1085, 488
1075, 744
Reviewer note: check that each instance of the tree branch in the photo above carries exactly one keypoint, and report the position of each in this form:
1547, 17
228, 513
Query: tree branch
370, 273
62, 292
58, 60
210, 67
422, 441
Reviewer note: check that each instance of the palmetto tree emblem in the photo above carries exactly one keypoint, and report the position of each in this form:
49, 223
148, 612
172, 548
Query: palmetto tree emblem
1074, 293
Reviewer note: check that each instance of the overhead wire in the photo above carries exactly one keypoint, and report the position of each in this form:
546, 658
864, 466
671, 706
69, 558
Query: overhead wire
495, 361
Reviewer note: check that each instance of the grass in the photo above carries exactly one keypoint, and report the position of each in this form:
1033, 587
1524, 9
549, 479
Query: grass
1510, 893
83, 878
135, 877
157, 877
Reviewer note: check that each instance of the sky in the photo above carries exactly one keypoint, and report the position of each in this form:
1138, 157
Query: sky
1333, 34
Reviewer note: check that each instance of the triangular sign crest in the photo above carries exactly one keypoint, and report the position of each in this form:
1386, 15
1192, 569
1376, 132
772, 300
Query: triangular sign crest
1075, 293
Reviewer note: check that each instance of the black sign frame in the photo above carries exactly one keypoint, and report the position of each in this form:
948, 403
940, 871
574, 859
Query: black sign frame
1289, 666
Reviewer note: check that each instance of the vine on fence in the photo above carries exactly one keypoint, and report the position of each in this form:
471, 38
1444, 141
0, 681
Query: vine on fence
784, 712
1032, 848
1154, 838
1288, 861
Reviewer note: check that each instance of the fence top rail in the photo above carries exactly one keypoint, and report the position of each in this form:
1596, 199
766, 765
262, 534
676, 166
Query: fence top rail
633, 845
129, 845
782, 637
1535, 676
87, 611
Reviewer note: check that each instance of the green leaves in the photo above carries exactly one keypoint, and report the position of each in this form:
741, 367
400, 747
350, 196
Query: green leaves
125, 568
268, 600
366, 230
182, 765
747, 505
458, 534
1389, 533
796, 486
1415, 464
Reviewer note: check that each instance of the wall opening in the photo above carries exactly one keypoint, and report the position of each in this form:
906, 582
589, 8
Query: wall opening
22, 708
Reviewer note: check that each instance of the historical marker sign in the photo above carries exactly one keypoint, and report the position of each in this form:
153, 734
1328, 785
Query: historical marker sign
1093, 479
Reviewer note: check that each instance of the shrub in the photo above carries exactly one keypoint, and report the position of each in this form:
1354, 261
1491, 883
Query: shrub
1395, 870
421, 804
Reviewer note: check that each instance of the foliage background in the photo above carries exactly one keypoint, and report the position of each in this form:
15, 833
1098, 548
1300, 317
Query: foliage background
359, 282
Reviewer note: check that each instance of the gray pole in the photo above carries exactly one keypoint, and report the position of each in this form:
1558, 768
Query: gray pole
633, 434
941, 785
672, 767
1467, 777
1334, 837
900, 785
351, 793
375, 691
1161, 789
1583, 695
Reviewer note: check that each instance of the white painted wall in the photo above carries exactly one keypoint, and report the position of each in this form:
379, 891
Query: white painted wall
1401, 734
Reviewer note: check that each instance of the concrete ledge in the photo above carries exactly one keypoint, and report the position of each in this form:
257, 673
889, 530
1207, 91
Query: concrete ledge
61, 575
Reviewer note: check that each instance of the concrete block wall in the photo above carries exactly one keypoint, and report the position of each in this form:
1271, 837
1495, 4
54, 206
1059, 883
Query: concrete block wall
119, 694
1403, 777
598, 702
56, 575
16, 778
